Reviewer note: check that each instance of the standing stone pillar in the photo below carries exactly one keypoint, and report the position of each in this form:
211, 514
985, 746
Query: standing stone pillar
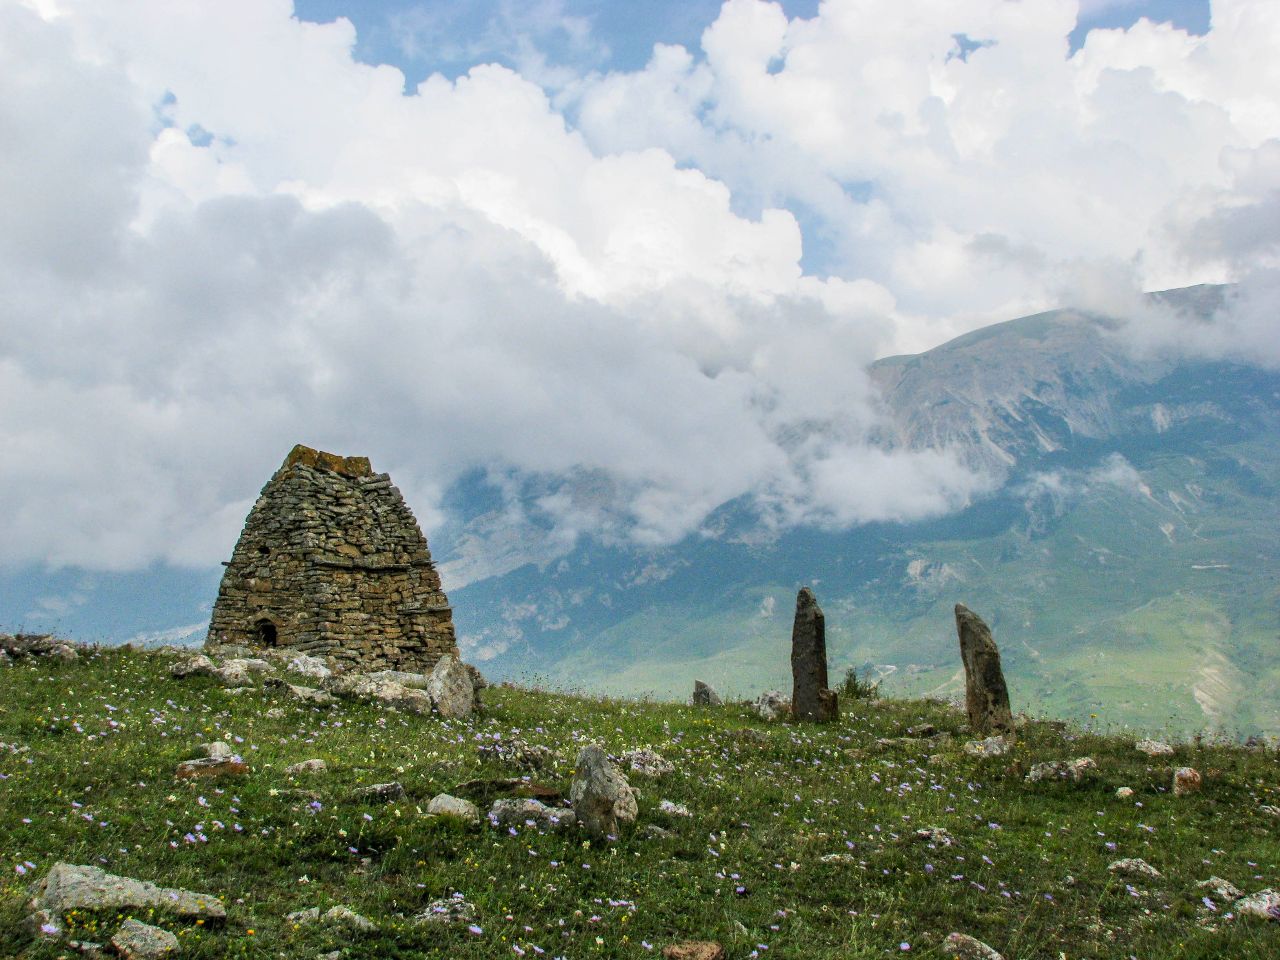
810, 698
986, 698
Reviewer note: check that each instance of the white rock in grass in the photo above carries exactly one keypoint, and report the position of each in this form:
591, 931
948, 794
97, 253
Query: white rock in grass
965, 947
443, 805
1134, 867
1264, 905
141, 941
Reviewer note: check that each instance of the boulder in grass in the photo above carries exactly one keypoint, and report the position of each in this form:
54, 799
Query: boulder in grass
443, 805
600, 795
648, 762
1263, 905
771, 705
68, 887
694, 950
211, 768
1077, 771
996, 746
1186, 781
197, 666
380, 793
313, 667
453, 688
1224, 890
704, 695
454, 911
1153, 748
141, 941
1134, 867
520, 813
315, 765
964, 947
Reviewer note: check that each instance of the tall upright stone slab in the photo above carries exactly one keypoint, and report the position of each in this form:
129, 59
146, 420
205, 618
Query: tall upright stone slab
331, 562
810, 698
986, 697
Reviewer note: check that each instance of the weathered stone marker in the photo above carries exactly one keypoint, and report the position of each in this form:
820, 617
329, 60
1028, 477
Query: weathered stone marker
986, 698
810, 698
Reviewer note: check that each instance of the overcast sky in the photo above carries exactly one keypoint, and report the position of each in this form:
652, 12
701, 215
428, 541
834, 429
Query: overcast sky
642, 246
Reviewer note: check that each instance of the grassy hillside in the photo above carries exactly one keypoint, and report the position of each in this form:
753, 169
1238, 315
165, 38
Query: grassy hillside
1027, 872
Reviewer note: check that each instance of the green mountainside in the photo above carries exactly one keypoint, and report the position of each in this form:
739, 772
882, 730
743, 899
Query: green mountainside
866, 838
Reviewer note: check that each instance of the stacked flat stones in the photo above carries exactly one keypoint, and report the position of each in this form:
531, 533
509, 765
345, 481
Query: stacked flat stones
331, 562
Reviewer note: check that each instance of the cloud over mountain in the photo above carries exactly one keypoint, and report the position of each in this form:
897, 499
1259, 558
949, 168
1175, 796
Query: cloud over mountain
228, 235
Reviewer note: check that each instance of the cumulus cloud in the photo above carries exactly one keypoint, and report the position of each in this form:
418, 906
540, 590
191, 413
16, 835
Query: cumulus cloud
227, 235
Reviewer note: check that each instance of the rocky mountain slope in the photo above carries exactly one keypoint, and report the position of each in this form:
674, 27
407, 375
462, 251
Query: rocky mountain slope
1128, 560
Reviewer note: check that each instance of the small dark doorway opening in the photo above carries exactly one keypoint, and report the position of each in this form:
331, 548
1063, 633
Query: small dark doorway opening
266, 633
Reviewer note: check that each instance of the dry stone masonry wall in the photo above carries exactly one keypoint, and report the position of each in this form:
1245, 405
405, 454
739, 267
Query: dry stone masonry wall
331, 562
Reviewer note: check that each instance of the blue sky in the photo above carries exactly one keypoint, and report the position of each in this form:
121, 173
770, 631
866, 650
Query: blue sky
427, 36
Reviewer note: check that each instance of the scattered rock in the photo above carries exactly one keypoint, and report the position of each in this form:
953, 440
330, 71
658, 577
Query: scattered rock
446, 806
301, 918
1134, 867
1269, 810
845, 858
310, 695
312, 667
996, 746
380, 793
452, 688
63, 652
454, 911
922, 730
1222, 889
652, 831
415, 681
306, 766
986, 695
672, 809
1186, 780
141, 941
1077, 771
347, 918
965, 947
648, 762
530, 813
513, 750
771, 705
233, 674
218, 750
507, 786
936, 835
1263, 905
704, 696
388, 693
197, 666
211, 767
68, 887
1124, 793
600, 794
1153, 748
811, 699
694, 950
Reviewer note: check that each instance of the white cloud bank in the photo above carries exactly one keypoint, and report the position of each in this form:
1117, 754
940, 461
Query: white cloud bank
224, 235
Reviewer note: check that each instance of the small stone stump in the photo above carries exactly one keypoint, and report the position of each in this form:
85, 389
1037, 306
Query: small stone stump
985, 694
810, 698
